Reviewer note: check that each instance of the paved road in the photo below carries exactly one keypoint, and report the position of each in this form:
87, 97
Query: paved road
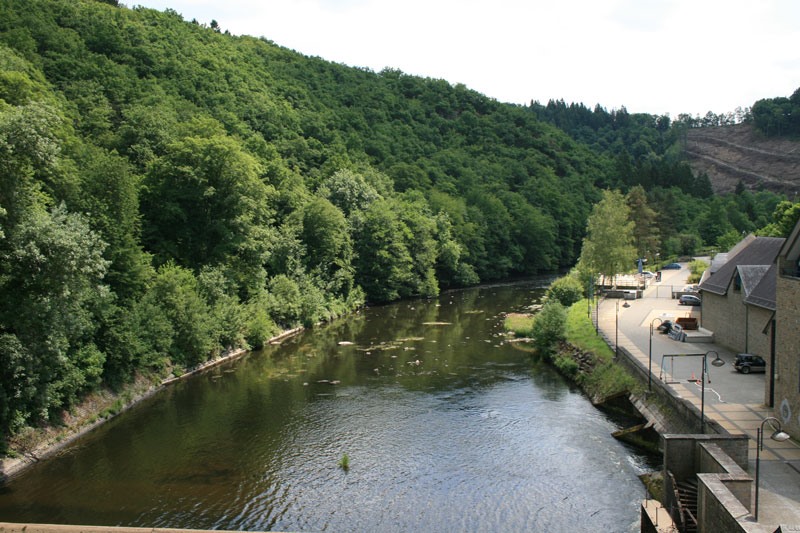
734, 400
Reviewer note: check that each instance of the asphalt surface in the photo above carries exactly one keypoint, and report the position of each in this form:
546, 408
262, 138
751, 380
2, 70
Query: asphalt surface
733, 399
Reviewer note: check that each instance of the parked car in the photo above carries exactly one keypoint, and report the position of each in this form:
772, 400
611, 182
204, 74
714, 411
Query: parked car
746, 363
671, 266
691, 288
647, 274
665, 327
689, 299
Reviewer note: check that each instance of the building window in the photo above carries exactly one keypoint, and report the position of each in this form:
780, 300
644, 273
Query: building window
737, 283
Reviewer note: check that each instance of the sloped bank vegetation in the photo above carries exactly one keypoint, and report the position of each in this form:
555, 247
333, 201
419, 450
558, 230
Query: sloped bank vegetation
566, 337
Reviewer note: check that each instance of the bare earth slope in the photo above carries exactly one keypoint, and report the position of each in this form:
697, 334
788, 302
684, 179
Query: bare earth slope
730, 154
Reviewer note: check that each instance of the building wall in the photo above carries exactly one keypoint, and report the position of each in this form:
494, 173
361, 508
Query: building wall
759, 338
725, 316
787, 354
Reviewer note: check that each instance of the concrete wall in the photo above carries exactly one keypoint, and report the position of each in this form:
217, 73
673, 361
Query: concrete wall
787, 353
713, 460
684, 456
724, 491
680, 415
718, 509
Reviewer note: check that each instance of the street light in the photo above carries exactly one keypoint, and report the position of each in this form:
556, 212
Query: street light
716, 362
703, 373
650, 359
616, 335
778, 435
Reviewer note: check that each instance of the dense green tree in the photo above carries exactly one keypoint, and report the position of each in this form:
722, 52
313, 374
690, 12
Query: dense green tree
205, 204
29, 150
549, 327
51, 297
176, 294
713, 221
608, 247
784, 219
566, 290
645, 225
384, 264
329, 249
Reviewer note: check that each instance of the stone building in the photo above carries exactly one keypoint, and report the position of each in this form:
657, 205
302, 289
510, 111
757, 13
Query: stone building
787, 334
739, 304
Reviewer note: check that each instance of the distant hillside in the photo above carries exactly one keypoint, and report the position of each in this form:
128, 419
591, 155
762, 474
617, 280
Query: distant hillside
730, 154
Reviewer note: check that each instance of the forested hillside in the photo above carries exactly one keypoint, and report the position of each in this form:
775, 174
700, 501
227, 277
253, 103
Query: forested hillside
168, 192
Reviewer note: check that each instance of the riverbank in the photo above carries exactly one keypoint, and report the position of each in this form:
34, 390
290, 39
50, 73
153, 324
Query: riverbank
584, 358
31, 446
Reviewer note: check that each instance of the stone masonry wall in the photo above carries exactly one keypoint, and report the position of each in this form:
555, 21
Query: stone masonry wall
787, 347
725, 316
759, 338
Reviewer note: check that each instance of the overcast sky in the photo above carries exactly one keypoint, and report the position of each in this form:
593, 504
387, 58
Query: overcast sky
651, 56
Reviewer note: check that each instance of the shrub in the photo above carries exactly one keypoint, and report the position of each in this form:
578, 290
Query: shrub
566, 290
549, 327
697, 268
566, 365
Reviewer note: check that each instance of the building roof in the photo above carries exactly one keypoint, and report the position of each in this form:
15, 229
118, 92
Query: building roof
760, 251
719, 260
751, 275
791, 248
763, 294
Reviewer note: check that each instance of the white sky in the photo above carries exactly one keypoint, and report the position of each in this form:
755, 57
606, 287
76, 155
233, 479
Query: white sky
651, 56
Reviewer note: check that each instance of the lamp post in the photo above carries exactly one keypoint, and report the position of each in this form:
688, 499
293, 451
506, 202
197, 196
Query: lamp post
716, 362
778, 435
616, 334
650, 358
703, 373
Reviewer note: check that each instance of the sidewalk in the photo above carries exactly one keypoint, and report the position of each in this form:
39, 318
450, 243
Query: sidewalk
735, 401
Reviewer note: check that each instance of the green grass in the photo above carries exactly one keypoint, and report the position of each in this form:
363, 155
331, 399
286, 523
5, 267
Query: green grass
581, 333
608, 378
520, 325
344, 462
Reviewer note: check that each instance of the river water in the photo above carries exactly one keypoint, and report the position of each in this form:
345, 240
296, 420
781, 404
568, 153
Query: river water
447, 427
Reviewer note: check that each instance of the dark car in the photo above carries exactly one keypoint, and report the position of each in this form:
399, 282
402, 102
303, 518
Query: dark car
746, 363
671, 266
689, 299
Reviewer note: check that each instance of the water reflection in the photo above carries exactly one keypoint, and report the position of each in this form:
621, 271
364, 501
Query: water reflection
447, 426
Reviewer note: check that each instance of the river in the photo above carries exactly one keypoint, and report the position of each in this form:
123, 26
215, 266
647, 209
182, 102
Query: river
447, 427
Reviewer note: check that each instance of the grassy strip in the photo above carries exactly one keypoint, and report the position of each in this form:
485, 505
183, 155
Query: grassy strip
581, 333
519, 324
607, 379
